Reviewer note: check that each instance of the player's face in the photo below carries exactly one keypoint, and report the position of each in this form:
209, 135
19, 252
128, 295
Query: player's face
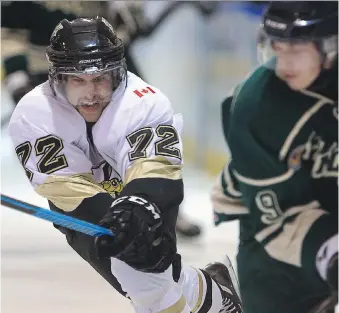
298, 64
89, 94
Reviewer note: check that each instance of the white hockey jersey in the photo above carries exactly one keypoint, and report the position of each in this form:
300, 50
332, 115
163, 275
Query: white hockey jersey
137, 136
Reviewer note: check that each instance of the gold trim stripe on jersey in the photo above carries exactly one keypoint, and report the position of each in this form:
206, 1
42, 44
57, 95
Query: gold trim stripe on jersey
67, 192
156, 167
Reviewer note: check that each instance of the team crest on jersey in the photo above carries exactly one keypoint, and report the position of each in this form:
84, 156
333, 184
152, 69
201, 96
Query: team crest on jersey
113, 186
295, 158
324, 157
108, 178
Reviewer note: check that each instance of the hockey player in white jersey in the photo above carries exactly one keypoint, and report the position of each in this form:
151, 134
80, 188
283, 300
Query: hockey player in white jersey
104, 146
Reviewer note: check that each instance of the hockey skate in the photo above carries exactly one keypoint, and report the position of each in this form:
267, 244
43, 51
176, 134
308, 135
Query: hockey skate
224, 275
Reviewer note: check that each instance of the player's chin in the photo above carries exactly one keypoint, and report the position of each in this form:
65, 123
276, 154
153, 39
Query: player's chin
90, 113
295, 83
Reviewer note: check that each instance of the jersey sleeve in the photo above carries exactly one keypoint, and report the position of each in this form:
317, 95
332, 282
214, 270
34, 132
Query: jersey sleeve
149, 144
226, 196
227, 108
225, 193
57, 169
226, 115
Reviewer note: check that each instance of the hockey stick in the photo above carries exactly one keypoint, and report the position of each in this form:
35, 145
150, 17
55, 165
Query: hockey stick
55, 217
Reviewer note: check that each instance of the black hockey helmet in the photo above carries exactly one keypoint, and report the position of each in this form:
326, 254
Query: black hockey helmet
85, 46
302, 21
308, 20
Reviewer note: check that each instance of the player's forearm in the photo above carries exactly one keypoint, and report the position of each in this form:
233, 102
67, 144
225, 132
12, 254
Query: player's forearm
143, 219
158, 181
226, 197
167, 194
91, 209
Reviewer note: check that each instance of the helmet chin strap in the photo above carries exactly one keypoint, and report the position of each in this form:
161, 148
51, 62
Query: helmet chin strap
51, 79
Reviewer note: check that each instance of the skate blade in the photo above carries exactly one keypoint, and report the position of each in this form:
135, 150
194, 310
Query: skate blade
233, 275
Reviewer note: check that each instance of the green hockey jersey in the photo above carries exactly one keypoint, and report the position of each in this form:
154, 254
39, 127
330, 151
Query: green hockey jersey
281, 182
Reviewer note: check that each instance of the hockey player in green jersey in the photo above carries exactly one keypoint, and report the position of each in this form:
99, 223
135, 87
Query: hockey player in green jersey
281, 179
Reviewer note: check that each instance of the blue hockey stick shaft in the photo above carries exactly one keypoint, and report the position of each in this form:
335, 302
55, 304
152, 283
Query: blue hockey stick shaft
55, 217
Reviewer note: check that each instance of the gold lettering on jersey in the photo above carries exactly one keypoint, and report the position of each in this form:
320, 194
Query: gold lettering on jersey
324, 157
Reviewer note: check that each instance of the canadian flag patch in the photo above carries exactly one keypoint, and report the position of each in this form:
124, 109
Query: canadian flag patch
140, 93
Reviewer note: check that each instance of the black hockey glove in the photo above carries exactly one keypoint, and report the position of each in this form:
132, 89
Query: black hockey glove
141, 239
